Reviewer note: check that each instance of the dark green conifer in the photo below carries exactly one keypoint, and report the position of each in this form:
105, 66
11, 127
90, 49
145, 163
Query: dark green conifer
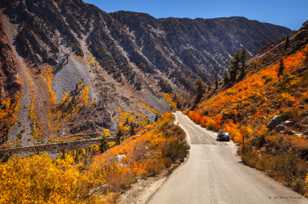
281, 69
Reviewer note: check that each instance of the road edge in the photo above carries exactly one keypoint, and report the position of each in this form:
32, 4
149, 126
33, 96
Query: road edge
139, 194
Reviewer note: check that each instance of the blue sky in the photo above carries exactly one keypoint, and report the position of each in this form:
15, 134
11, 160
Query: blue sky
281, 12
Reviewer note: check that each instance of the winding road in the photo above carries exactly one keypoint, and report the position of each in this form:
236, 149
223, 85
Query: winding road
214, 174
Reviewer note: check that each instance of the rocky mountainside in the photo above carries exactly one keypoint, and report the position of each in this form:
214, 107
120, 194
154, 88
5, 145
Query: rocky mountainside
68, 67
9, 85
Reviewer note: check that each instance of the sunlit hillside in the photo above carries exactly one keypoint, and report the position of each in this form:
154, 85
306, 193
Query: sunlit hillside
77, 178
267, 114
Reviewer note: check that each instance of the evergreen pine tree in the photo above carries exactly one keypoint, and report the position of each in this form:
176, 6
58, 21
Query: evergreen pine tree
216, 84
200, 89
235, 66
132, 129
226, 79
103, 145
119, 136
156, 117
280, 69
242, 65
126, 122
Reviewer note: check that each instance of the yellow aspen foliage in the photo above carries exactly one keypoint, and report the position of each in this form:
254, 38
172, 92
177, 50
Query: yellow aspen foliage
169, 99
48, 75
91, 60
126, 119
40, 179
35, 126
85, 95
106, 132
150, 108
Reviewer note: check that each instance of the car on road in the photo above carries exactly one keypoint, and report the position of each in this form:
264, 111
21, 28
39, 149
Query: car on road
223, 137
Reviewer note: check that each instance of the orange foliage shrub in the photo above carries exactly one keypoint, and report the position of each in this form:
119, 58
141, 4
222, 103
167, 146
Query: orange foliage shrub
286, 97
211, 123
141, 156
195, 116
250, 101
234, 131
292, 62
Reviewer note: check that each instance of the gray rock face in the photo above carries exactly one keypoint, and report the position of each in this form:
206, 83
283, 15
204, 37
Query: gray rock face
9, 85
180, 49
127, 59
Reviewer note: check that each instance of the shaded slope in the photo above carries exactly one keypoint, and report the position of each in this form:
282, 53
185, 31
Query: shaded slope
9, 85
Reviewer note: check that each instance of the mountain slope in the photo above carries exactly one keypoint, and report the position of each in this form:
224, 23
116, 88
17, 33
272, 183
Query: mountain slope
266, 112
82, 67
9, 86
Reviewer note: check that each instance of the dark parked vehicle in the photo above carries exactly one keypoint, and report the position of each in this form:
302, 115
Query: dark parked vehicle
223, 136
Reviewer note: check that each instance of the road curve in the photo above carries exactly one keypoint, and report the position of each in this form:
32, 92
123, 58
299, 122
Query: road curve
213, 174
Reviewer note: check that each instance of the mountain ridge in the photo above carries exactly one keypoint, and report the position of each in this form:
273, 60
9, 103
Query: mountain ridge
195, 18
96, 66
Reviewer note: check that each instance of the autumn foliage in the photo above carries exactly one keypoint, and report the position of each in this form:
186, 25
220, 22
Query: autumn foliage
245, 109
40, 179
251, 100
210, 123
9, 108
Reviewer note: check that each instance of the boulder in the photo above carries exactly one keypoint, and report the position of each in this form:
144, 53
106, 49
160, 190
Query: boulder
277, 120
289, 123
99, 190
280, 128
